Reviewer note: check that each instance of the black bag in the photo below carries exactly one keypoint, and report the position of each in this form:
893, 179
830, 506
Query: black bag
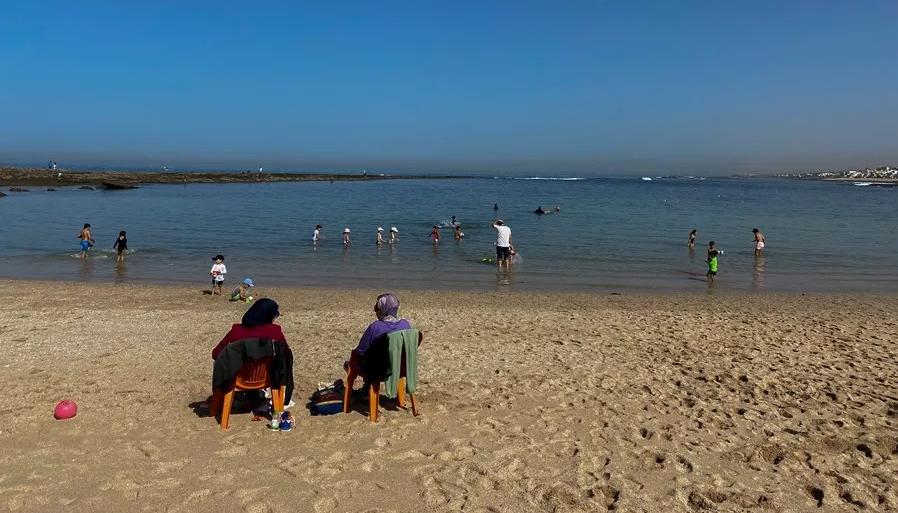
327, 400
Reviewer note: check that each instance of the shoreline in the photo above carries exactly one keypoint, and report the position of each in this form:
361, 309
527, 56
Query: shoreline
37, 177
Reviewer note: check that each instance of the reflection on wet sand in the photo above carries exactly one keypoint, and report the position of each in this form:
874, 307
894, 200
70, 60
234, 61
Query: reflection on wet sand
121, 272
757, 274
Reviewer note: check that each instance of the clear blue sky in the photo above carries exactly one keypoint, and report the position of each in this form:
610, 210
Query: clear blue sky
496, 87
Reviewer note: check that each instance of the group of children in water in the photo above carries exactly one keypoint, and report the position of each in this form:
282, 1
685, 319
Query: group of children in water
760, 243
87, 241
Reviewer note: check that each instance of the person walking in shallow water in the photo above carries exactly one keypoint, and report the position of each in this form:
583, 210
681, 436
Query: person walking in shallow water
692, 235
760, 242
87, 239
503, 244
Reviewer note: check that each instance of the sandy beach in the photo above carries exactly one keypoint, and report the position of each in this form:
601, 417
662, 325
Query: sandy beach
530, 402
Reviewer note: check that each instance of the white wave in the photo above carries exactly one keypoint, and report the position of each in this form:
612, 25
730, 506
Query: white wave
555, 178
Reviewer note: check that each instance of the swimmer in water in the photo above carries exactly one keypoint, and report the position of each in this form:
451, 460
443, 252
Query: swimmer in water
692, 235
539, 211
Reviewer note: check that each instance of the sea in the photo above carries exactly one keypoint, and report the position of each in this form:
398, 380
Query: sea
612, 234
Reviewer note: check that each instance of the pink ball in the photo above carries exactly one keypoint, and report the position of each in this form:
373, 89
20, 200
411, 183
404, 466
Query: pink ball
65, 410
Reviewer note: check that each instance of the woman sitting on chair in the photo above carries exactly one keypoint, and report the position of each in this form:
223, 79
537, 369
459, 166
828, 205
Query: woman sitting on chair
386, 309
258, 323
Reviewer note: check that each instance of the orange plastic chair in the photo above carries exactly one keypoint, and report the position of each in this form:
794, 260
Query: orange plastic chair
252, 376
374, 390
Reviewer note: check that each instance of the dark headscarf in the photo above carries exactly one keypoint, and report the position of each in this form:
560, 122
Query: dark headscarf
263, 311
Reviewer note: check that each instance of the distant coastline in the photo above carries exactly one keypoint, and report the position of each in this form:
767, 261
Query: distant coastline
881, 174
22, 176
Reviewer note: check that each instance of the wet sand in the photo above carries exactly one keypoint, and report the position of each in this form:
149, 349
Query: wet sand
530, 402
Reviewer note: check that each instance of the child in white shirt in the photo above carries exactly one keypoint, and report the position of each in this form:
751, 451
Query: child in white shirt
218, 271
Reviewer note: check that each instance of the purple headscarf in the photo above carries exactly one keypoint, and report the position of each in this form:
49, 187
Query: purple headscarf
387, 306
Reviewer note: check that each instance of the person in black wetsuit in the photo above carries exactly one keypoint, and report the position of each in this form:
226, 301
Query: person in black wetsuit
120, 246
539, 211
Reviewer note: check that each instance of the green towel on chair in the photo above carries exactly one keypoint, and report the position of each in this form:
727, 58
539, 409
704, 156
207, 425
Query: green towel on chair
398, 341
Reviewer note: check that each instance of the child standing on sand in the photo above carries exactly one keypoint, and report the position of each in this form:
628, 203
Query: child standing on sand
120, 246
217, 272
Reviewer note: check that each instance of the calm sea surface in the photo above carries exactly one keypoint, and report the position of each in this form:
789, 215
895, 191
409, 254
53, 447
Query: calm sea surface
611, 234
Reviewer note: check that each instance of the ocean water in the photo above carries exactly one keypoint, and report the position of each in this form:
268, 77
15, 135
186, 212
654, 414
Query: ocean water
611, 234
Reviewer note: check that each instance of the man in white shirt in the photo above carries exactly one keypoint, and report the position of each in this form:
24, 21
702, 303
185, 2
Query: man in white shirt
503, 243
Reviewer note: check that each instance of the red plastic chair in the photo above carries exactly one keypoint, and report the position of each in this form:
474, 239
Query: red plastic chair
252, 376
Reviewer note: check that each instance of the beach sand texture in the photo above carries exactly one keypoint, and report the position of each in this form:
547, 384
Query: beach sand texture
529, 402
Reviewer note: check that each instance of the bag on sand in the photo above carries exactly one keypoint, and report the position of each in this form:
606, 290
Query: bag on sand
328, 399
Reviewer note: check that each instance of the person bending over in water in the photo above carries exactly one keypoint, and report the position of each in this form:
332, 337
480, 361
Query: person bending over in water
316, 235
692, 235
87, 240
120, 246
394, 235
760, 242
539, 211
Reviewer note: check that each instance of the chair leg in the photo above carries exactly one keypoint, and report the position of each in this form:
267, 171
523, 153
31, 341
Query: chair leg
400, 393
226, 408
215, 403
373, 401
414, 405
347, 392
277, 400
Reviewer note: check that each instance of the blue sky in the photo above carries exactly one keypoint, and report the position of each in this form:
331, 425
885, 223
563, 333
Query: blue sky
480, 87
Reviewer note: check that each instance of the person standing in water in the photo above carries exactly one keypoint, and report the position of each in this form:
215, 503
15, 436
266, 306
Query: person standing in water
316, 235
87, 239
503, 243
380, 236
120, 246
713, 253
435, 234
692, 235
346, 240
760, 242
495, 207
394, 235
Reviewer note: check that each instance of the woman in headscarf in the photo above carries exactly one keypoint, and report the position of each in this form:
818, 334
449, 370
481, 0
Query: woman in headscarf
258, 322
386, 308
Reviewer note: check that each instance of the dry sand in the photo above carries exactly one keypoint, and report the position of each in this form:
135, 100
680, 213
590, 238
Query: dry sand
529, 403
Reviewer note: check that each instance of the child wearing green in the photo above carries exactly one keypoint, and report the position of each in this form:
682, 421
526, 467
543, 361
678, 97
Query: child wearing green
712, 261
